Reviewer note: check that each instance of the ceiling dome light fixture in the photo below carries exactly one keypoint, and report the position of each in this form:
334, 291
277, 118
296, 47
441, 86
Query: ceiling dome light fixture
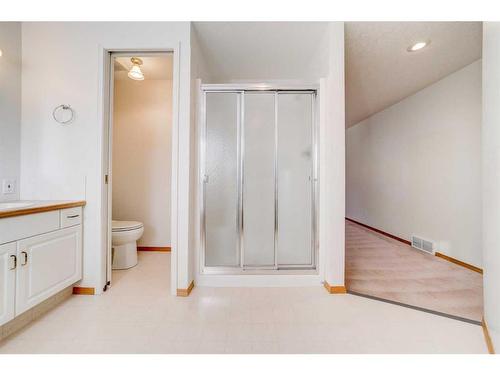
418, 46
135, 72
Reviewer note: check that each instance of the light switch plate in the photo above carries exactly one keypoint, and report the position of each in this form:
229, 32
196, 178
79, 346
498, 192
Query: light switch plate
8, 186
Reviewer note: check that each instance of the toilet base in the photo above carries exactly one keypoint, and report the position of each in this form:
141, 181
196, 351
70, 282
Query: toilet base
125, 256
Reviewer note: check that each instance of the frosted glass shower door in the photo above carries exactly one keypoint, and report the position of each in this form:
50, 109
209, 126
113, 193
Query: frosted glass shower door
295, 176
258, 180
221, 179
258, 160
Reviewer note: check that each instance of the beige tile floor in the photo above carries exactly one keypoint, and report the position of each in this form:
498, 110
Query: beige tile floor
139, 316
382, 267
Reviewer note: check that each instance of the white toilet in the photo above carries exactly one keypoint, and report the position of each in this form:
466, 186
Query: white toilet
124, 241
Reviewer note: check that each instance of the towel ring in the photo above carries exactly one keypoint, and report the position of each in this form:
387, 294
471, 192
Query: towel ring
63, 107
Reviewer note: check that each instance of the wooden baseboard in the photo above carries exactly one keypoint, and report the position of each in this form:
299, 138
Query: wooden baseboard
381, 232
459, 262
165, 249
185, 292
335, 289
487, 337
83, 290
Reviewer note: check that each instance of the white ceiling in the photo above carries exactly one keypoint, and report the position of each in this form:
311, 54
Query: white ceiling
262, 50
380, 72
153, 67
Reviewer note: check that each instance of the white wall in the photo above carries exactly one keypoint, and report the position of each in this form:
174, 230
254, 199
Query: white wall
327, 63
10, 105
332, 161
63, 63
414, 168
199, 74
491, 178
142, 153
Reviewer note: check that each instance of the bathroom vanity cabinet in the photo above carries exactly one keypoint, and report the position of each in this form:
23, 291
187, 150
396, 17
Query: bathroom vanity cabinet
40, 255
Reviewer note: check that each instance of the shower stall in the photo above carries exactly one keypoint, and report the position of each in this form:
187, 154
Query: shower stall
258, 176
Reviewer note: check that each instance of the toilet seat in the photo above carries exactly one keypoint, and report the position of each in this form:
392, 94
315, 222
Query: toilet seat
123, 226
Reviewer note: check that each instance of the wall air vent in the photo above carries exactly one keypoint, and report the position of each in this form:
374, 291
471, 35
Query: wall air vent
422, 244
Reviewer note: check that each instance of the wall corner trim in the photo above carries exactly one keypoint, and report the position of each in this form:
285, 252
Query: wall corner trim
185, 292
335, 289
83, 290
487, 337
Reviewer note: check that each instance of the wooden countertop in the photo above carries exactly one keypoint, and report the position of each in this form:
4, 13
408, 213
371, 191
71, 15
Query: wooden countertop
38, 206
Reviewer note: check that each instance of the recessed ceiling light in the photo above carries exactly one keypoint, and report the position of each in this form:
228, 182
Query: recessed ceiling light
417, 46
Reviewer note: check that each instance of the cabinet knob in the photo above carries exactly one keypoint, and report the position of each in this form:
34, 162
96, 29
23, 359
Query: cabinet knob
14, 258
25, 255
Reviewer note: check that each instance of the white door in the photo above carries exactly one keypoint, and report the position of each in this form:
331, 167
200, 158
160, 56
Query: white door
222, 217
108, 162
46, 265
7, 281
295, 179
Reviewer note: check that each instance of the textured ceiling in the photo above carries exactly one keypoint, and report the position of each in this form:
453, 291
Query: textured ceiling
153, 67
380, 72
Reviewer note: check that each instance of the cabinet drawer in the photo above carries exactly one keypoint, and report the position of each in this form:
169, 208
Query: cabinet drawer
71, 216
17, 227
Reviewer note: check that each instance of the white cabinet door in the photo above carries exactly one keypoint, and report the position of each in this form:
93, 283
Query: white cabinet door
47, 264
7, 281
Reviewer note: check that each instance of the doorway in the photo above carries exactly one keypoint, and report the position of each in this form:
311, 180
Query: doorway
413, 162
139, 159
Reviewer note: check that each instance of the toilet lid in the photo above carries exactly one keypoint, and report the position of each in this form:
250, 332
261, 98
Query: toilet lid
120, 226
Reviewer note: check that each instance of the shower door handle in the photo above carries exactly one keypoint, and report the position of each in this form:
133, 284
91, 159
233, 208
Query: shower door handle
205, 179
